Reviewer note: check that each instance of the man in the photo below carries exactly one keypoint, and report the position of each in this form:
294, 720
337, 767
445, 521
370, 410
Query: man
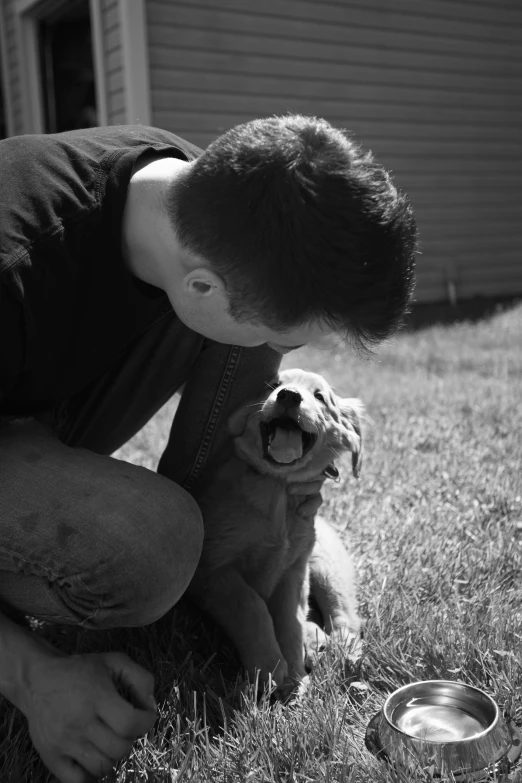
133, 264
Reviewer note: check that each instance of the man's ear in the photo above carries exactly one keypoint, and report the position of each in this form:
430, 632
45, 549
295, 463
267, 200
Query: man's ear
203, 282
350, 431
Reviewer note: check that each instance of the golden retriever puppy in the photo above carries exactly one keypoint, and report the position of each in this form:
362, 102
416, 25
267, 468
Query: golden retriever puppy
253, 577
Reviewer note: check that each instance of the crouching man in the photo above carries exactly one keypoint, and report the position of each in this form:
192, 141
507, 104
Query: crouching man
133, 265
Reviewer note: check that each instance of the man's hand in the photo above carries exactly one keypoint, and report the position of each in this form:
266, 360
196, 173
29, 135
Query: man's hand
78, 722
309, 495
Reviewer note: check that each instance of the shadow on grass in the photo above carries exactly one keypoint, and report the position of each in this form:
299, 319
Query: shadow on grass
182, 647
196, 674
477, 309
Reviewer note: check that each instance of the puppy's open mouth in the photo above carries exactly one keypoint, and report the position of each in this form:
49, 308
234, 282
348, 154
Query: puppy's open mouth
283, 440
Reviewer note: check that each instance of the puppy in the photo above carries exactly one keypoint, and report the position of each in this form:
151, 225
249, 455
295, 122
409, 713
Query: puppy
253, 577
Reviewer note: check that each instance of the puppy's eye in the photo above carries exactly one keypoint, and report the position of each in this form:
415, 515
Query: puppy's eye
318, 396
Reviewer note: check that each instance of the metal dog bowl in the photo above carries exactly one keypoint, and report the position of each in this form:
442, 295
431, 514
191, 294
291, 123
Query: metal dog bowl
452, 728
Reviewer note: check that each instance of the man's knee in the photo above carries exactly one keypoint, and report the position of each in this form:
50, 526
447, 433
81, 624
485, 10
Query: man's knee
94, 540
160, 549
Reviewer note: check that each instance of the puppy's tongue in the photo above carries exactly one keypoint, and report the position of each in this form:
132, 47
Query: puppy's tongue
286, 445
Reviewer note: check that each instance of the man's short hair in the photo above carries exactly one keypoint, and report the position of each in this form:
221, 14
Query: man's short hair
303, 225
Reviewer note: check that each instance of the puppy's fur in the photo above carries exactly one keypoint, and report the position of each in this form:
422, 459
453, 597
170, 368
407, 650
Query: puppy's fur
259, 557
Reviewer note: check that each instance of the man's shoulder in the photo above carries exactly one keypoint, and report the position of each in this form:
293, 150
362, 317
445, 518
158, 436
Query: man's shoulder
46, 179
113, 138
88, 147
143, 134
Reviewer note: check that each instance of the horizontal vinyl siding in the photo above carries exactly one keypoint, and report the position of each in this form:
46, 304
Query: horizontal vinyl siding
113, 62
435, 90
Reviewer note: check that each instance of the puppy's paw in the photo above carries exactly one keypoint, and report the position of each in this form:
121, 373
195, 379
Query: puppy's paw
256, 690
303, 686
264, 681
292, 688
315, 640
348, 638
350, 642
343, 637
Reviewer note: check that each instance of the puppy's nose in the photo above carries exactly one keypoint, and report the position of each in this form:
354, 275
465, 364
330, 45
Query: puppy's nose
289, 398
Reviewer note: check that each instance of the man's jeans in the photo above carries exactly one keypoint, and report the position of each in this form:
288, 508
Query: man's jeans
90, 540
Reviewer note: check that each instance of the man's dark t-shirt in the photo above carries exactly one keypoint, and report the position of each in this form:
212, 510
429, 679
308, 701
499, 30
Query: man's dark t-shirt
68, 305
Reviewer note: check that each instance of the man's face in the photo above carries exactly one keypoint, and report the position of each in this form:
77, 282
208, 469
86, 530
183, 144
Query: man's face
224, 329
201, 302
283, 342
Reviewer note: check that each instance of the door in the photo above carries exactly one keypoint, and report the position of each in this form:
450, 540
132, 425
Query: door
67, 68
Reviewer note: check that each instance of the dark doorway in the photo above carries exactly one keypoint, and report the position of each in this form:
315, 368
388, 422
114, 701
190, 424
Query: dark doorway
67, 68
3, 120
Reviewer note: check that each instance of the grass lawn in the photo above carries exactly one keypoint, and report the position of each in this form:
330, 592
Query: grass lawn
435, 526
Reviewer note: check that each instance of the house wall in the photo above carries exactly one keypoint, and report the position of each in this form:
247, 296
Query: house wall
434, 89
115, 95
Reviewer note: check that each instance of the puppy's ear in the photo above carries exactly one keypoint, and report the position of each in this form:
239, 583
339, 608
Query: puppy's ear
351, 432
238, 420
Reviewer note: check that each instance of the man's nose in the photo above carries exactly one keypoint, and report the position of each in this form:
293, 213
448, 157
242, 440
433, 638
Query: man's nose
289, 398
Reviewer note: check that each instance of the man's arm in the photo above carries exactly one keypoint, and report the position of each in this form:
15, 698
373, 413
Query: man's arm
78, 722
20, 650
223, 378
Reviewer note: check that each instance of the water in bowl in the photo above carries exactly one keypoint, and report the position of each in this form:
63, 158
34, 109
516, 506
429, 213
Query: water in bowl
436, 722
